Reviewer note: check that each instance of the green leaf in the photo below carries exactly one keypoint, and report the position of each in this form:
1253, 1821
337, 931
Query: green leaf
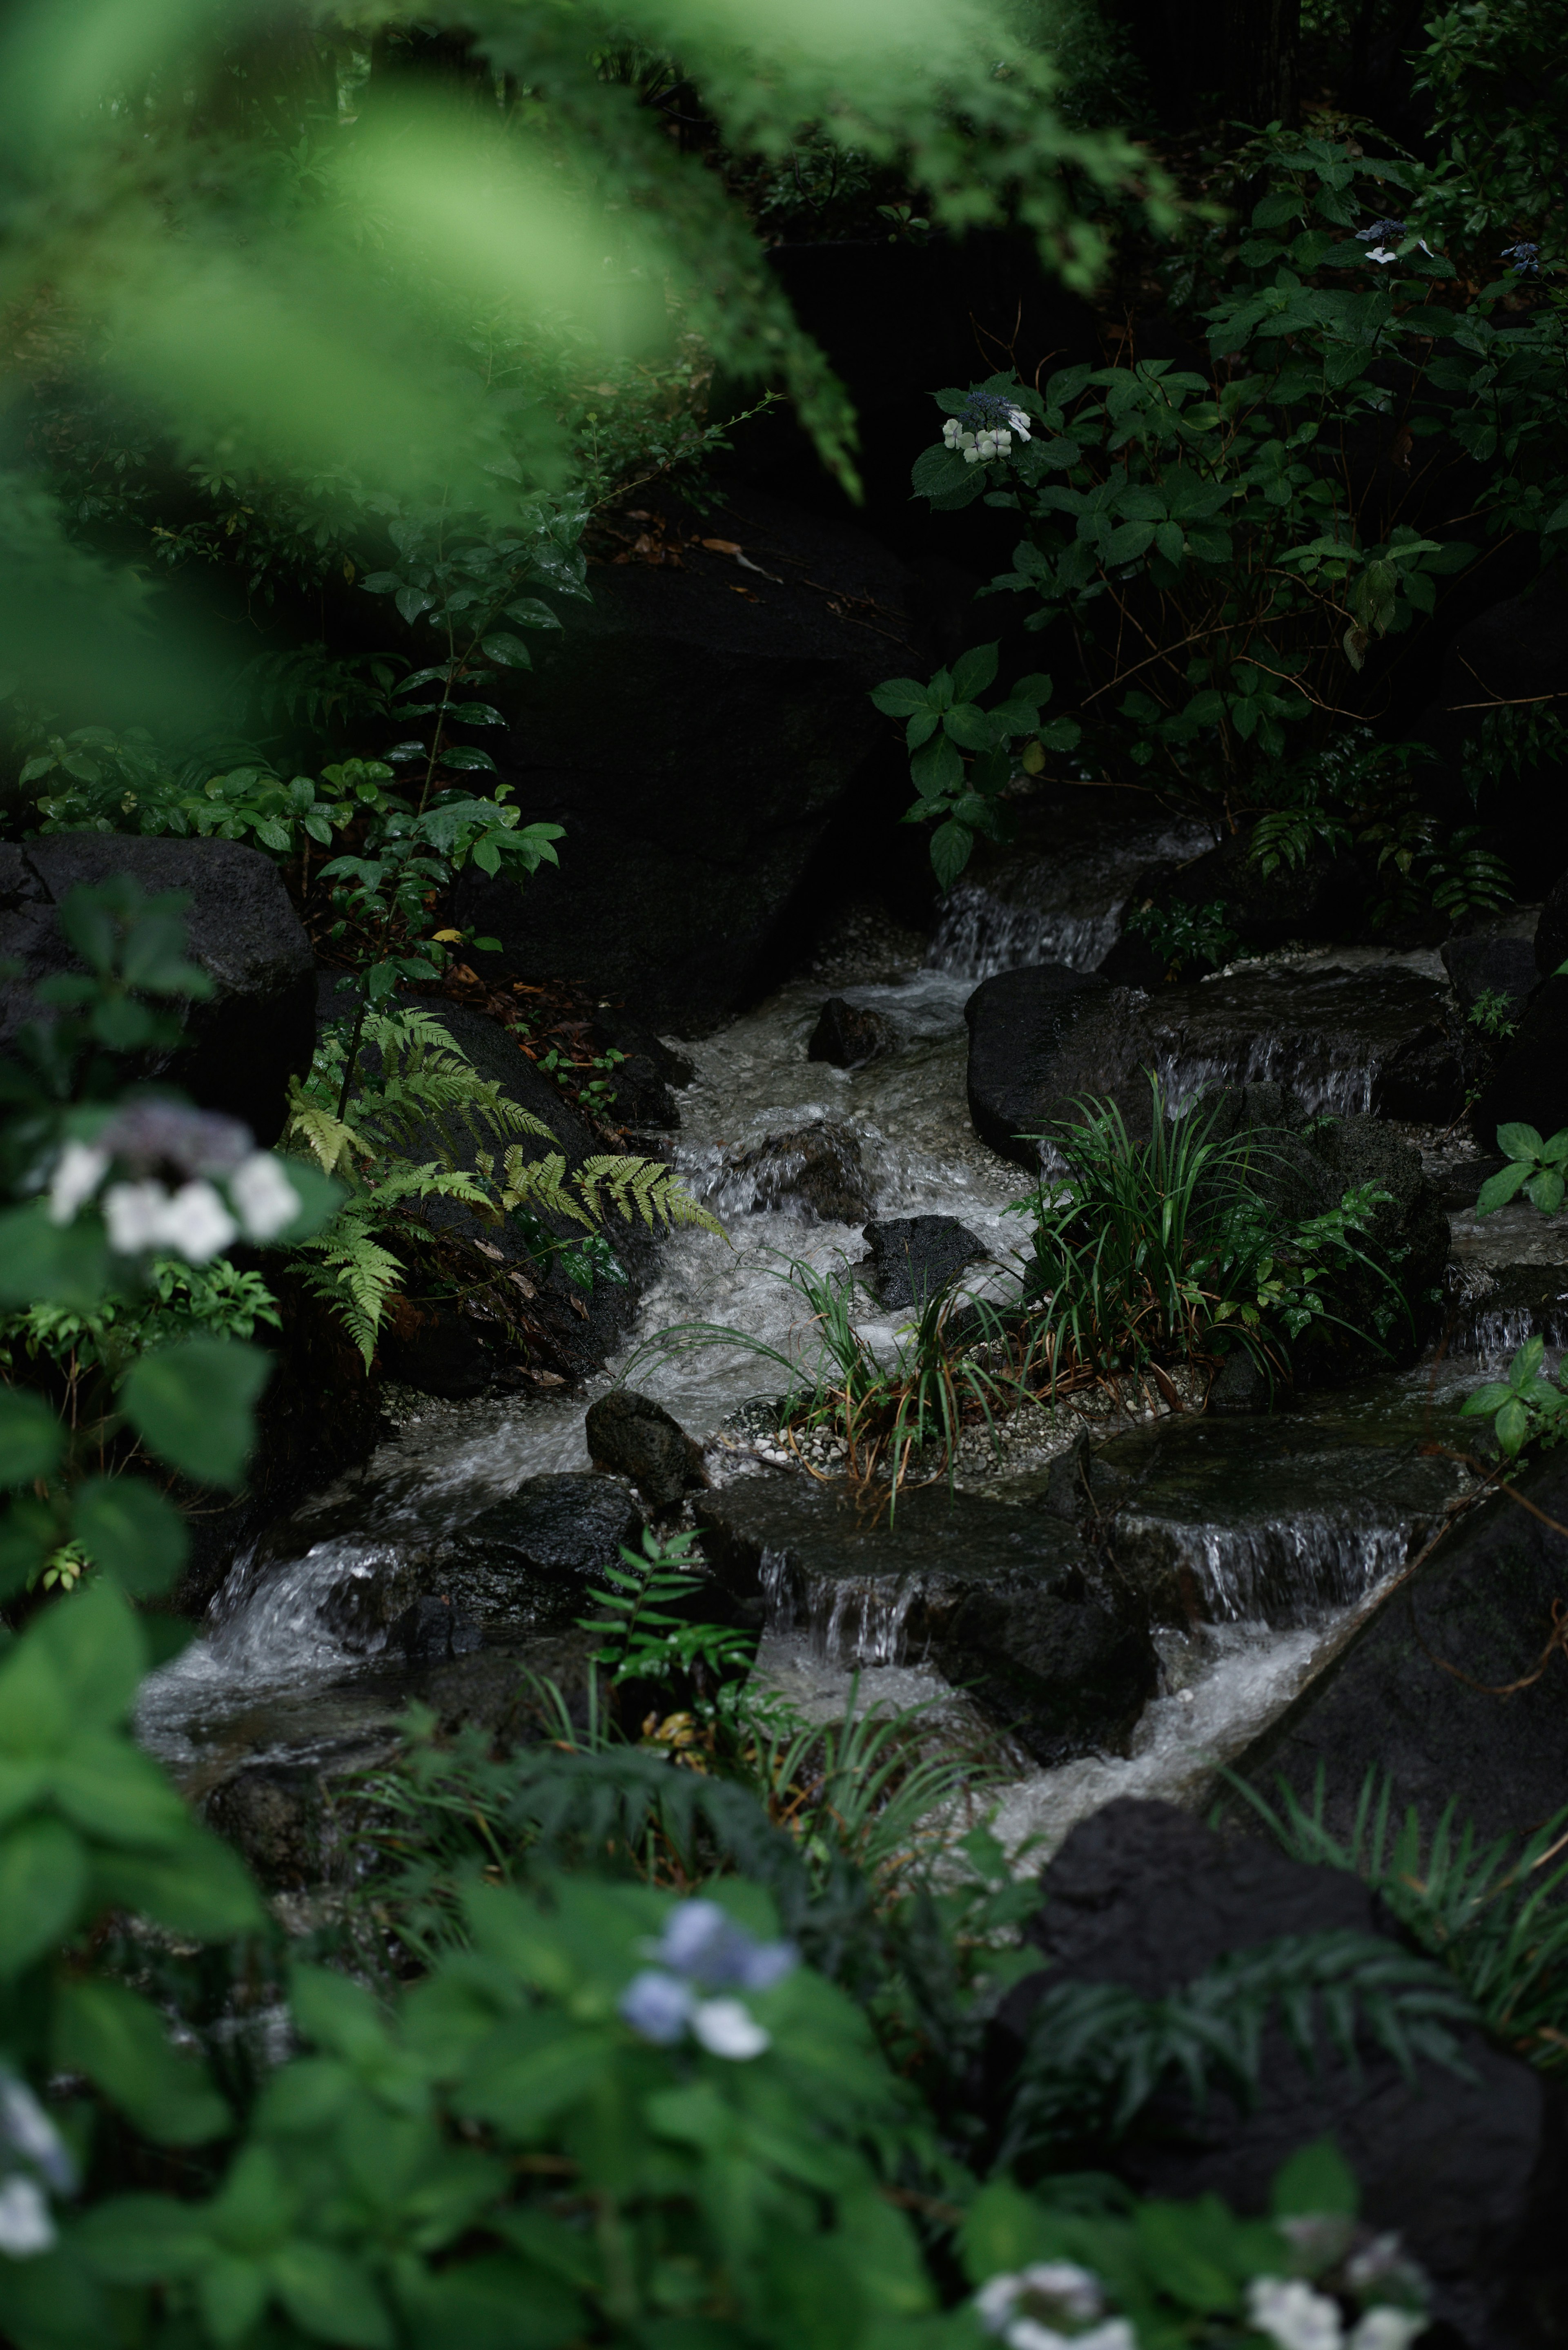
31, 1437
198, 1888
972, 728
973, 672
1004, 2229
43, 1878
191, 1405
329, 2295
508, 650
951, 847
93, 1646
937, 768
143, 2239
1499, 1189
899, 697
1316, 2178
492, 2302
1545, 1189
121, 2042
1170, 2236
115, 1794
468, 760
67, 1264
1519, 1141
1512, 1425
131, 1530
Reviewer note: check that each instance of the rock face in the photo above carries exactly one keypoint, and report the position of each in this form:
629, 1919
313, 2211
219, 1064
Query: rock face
1259, 1519
848, 1034
699, 730
1402, 1698
1507, 1278
1019, 1024
1552, 930
1005, 1601
1316, 900
913, 1257
1491, 963
634, 1437
1531, 1087
1145, 1896
257, 1027
815, 1170
528, 1560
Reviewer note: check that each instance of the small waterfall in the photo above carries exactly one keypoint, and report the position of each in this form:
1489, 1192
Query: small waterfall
1322, 1086
979, 934
1277, 1572
858, 1619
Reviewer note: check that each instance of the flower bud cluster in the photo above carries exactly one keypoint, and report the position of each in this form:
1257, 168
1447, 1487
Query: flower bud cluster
193, 1219
704, 1951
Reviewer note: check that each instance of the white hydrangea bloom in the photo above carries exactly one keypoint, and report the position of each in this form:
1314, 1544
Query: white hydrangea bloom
264, 1197
195, 1224
1292, 2314
133, 1213
1028, 2334
27, 2126
727, 2028
27, 2223
1384, 2328
78, 1171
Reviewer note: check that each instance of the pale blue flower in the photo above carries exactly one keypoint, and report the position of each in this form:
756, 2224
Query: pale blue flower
1524, 259
656, 2006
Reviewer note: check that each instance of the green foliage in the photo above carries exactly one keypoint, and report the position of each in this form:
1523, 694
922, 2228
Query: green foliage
1495, 1014
1226, 555
1493, 1912
1098, 2053
1526, 1408
392, 1106
1534, 1168
1182, 936
1492, 73
643, 1637
1174, 1250
944, 722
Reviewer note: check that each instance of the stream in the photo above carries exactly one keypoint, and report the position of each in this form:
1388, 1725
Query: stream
1272, 1534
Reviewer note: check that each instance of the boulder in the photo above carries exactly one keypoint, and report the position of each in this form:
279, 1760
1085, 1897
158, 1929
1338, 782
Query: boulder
1453, 1689
1462, 2168
913, 1257
848, 1034
1491, 963
1507, 1278
1260, 1518
634, 1437
529, 1561
1319, 898
1552, 930
700, 729
816, 1170
1005, 1603
256, 1030
1531, 1087
1019, 1024
431, 1631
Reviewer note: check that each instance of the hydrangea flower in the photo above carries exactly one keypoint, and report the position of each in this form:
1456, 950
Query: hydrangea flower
266, 1199
985, 427
702, 1950
78, 1171
1029, 2307
1292, 2315
149, 1133
26, 2127
191, 1222
1377, 236
27, 2223
1524, 259
1386, 2328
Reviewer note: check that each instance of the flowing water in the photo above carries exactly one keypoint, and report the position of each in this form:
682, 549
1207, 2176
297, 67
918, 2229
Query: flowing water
279, 1674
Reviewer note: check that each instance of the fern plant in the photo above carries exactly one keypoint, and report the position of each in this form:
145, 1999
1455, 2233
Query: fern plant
643, 1638
393, 1109
1098, 2051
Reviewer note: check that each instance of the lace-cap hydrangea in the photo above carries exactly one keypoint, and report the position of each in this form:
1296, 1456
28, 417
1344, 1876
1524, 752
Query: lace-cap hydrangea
193, 1221
985, 427
1030, 2309
701, 1951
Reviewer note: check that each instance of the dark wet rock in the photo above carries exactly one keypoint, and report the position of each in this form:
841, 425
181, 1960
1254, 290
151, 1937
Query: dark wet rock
634, 1437
1531, 1087
1006, 1603
1401, 1698
529, 1560
1261, 1519
505, 1690
254, 1031
701, 746
430, 1631
271, 1814
1019, 1024
1463, 2167
848, 1034
1552, 930
1507, 1280
643, 1084
1316, 900
1241, 1387
1491, 963
913, 1257
1055, 891
1377, 1325
818, 1168
1374, 1038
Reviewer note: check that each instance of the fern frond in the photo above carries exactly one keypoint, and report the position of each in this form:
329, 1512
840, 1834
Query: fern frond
1097, 2052
540, 1184
330, 1138
645, 1186
356, 1277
